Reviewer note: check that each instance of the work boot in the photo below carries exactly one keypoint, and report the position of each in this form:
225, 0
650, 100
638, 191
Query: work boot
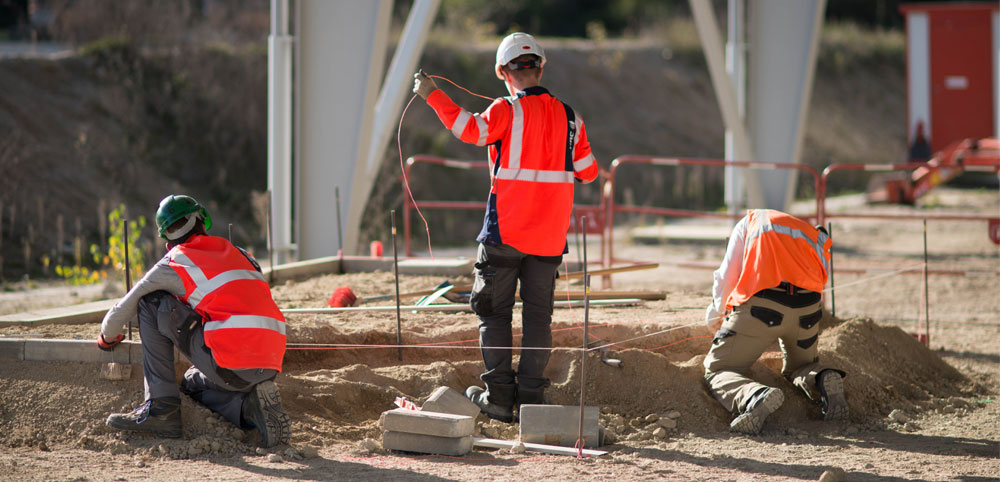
488, 404
763, 403
831, 390
159, 416
262, 410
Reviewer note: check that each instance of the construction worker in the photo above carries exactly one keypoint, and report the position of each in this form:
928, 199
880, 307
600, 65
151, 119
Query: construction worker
537, 147
770, 284
208, 298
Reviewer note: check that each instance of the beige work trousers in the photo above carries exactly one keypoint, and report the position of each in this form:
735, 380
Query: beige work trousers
742, 339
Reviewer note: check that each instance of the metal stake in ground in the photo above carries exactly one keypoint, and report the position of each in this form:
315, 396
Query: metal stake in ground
833, 299
270, 247
927, 314
128, 268
340, 238
395, 269
230, 233
586, 334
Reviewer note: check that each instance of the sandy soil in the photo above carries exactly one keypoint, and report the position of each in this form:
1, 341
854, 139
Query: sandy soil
916, 413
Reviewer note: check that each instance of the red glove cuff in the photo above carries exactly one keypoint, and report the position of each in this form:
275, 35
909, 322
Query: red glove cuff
106, 345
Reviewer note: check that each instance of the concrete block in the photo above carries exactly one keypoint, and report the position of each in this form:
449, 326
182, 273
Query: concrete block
559, 425
449, 400
302, 269
12, 349
426, 444
80, 351
428, 423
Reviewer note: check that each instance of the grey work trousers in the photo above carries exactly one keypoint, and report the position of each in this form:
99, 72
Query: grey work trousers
166, 322
748, 331
498, 271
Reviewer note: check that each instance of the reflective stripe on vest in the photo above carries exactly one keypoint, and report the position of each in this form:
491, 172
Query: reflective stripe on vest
516, 134
204, 286
535, 175
764, 225
462, 121
247, 321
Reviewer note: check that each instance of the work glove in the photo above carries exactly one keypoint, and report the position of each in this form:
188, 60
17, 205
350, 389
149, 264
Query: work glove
109, 345
423, 85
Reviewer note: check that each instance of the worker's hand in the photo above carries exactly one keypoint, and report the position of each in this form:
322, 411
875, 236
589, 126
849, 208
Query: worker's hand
713, 319
109, 345
423, 85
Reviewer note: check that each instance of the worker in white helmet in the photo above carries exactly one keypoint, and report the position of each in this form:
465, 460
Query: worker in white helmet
538, 148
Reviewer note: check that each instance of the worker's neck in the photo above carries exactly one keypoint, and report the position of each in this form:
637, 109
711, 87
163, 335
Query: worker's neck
515, 85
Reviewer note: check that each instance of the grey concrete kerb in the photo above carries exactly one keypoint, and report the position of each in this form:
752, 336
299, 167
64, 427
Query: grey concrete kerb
34, 349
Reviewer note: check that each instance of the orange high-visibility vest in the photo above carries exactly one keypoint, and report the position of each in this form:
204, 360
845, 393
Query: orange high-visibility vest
534, 161
780, 247
243, 326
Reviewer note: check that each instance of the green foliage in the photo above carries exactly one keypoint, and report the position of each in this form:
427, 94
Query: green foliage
115, 258
112, 262
111, 46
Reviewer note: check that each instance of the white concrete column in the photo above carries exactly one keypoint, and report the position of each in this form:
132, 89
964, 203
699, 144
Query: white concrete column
280, 54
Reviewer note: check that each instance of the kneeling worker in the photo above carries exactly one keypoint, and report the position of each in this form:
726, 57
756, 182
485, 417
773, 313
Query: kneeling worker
208, 298
770, 282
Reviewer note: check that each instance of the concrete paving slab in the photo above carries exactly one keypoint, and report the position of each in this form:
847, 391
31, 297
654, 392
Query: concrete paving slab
412, 266
559, 425
426, 444
428, 423
83, 313
449, 400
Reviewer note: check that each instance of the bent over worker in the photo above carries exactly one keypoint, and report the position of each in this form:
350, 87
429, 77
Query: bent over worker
770, 283
537, 148
208, 298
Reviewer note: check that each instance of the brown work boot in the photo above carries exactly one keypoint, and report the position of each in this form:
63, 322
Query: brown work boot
764, 403
262, 410
158, 416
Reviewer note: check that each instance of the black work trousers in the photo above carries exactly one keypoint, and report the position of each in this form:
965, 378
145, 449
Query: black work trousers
498, 271
166, 322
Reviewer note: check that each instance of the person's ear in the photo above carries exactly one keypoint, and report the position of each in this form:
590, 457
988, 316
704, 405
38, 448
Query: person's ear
499, 72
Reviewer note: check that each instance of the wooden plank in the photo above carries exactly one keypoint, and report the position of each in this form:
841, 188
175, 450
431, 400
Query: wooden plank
545, 449
453, 307
611, 295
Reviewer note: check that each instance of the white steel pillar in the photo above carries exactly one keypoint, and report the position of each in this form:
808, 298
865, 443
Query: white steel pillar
736, 68
784, 35
341, 52
280, 52
708, 32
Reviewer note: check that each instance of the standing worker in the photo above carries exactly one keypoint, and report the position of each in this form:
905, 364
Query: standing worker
537, 148
770, 282
208, 298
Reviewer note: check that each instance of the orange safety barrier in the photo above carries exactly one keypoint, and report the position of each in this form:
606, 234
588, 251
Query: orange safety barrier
676, 162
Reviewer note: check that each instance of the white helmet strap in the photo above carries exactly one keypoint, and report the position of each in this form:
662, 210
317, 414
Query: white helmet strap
184, 229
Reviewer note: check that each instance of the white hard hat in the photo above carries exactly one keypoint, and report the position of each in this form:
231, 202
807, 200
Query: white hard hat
516, 45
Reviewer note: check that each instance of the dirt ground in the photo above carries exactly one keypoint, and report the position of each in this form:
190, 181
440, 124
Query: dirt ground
916, 413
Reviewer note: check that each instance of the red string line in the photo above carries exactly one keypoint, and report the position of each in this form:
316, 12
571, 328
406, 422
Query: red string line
406, 182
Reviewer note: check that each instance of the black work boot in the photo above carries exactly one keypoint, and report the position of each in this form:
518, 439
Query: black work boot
159, 416
526, 396
496, 404
830, 384
262, 410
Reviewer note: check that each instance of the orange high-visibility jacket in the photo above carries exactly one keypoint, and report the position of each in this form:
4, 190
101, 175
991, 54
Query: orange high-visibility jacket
533, 161
243, 326
781, 247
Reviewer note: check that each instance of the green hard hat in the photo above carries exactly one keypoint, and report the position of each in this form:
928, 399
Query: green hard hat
175, 207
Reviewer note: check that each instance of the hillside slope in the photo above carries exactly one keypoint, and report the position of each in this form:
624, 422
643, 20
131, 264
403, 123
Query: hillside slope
76, 146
